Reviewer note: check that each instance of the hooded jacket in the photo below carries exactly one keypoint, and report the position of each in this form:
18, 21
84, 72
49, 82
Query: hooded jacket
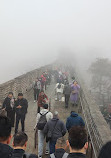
5, 151
74, 120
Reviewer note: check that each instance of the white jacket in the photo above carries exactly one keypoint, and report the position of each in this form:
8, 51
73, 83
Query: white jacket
49, 115
59, 90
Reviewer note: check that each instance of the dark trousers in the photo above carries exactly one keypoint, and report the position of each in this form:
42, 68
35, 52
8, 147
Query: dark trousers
67, 96
11, 116
36, 94
18, 118
52, 146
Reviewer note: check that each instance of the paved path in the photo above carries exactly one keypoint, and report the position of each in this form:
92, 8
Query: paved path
32, 111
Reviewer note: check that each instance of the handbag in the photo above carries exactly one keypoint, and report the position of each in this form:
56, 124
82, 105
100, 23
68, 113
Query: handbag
63, 99
50, 133
74, 92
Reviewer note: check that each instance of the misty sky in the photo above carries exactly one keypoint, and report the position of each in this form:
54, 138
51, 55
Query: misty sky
33, 32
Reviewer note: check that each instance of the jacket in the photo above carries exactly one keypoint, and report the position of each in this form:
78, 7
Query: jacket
42, 99
37, 85
67, 90
74, 120
49, 115
7, 104
59, 90
22, 102
59, 129
5, 151
59, 153
18, 153
76, 155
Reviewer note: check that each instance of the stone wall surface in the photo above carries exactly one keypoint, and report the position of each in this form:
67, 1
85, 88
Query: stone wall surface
97, 127
22, 83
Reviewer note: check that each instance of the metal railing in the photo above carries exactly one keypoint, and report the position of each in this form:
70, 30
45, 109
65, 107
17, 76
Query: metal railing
95, 138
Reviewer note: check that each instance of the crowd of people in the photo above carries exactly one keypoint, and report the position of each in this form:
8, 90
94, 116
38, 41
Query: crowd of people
64, 88
61, 139
39, 86
77, 143
17, 106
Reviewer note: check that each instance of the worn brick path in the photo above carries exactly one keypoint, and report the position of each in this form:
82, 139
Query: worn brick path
32, 111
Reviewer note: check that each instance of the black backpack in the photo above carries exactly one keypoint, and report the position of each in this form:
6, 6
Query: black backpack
42, 121
59, 86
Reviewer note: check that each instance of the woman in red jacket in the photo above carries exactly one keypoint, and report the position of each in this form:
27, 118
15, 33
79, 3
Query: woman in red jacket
42, 100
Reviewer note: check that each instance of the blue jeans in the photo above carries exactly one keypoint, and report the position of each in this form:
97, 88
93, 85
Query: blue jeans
41, 139
52, 146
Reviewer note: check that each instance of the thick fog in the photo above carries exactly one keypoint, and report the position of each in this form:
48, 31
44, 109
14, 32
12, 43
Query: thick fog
34, 32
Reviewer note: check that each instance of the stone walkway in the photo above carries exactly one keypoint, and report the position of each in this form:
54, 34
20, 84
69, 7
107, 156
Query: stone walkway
32, 111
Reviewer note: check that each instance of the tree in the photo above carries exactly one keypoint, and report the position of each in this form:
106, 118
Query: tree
101, 73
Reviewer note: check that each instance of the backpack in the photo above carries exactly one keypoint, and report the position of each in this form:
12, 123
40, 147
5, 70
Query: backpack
64, 156
59, 86
42, 121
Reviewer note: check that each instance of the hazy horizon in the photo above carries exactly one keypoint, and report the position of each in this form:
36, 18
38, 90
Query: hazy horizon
33, 33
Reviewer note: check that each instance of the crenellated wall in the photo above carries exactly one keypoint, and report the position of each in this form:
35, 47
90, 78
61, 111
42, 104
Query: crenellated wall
97, 127
22, 83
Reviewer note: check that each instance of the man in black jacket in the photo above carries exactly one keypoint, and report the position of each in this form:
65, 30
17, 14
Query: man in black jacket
20, 145
56, 129
21, 106
8, 105
78, 142
5, 137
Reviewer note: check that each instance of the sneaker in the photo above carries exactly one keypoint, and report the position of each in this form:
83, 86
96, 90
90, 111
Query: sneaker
34, 101
39, 156
47, 152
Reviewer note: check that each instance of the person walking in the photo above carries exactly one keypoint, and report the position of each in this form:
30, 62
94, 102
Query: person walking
42, 118
54, 129
37, 88
74, 120
21, 106
59, 90
42, 99
8, 105
67, 92
43, 82
74, 93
